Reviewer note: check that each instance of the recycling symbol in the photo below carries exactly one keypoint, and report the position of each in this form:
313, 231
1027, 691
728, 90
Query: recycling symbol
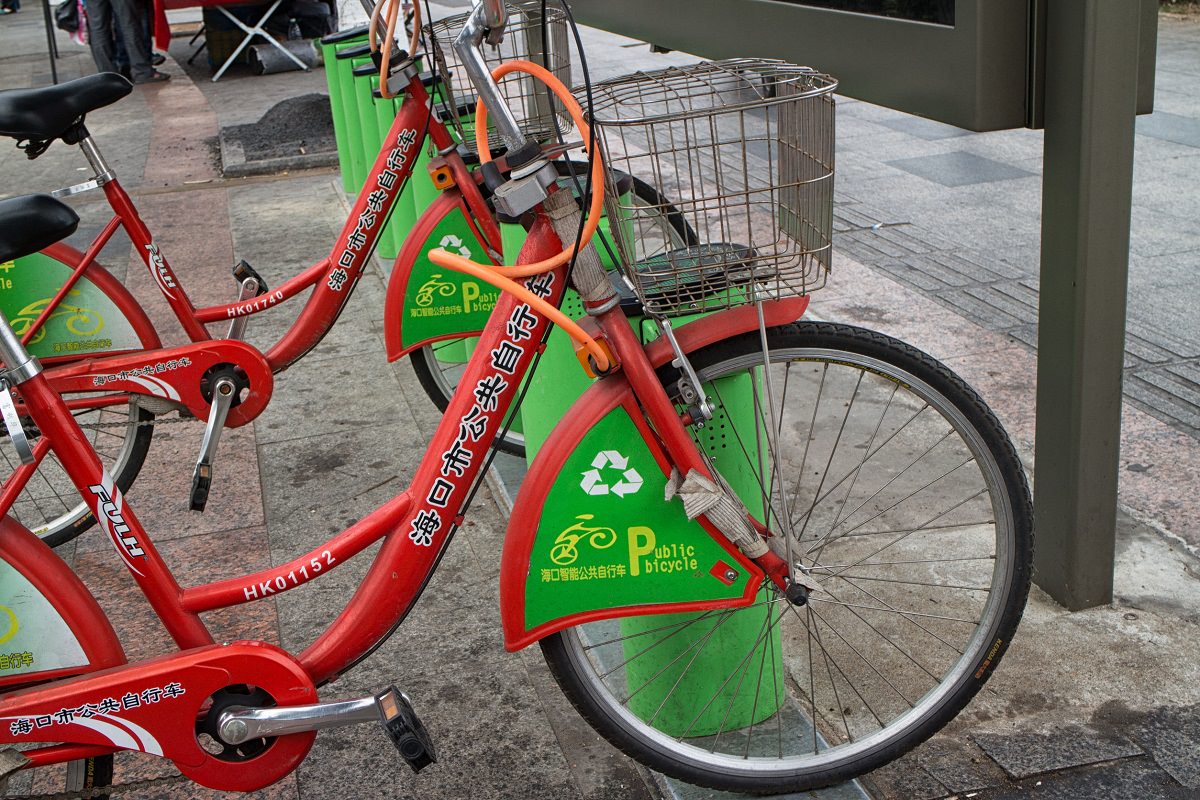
454, 244
610, 464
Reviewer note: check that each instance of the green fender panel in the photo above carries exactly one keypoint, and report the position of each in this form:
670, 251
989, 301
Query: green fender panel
597, 538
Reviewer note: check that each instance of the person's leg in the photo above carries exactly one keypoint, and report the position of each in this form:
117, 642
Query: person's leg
129, 14
120, 54
100, 35
148, 33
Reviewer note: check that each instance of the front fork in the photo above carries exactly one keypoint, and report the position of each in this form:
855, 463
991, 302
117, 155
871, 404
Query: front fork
671, 428
600, 299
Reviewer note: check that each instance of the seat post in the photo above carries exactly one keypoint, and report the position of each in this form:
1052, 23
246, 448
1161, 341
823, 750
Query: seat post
91, 151
20, 366
101, 174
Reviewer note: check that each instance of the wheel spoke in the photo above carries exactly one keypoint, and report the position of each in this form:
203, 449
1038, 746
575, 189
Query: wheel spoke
901, 497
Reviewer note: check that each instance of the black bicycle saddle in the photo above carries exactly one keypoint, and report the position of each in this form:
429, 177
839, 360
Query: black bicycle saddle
50, 112
31, 222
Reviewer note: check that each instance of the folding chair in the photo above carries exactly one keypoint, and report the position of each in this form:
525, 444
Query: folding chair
251, 31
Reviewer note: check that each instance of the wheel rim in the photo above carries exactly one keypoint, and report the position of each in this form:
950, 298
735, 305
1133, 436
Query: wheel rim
854, 670
49, 502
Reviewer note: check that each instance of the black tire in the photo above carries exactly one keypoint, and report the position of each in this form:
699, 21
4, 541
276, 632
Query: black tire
71, 778
889, 647
90, 774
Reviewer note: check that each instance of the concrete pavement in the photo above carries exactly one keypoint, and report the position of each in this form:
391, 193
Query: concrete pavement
937, 244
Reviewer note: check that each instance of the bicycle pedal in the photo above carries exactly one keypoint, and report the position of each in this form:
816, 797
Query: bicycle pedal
242, 270
402, 726
224, 391
201, 483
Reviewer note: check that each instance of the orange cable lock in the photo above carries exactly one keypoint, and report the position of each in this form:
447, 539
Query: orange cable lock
502, 276
393, 8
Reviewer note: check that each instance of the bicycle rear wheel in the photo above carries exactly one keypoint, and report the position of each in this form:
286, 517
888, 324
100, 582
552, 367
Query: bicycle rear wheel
905, 504
86, 775
100, 317
49, 504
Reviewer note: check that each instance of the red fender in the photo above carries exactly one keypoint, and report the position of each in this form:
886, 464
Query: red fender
54, 581
114, 289
603, 397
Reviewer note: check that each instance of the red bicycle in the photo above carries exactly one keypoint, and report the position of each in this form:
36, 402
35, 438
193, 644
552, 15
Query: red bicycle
72, 312
758, 555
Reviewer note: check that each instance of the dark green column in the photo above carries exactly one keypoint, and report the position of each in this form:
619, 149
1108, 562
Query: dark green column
1091, 92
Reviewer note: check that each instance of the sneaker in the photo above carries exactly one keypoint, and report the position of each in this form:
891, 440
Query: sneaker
154, 77
157, 60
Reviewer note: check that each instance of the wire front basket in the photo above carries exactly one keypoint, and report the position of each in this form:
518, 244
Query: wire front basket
525, 37
739, 157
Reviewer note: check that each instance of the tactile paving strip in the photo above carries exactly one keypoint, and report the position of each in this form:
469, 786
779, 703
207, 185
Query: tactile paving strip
1162, 371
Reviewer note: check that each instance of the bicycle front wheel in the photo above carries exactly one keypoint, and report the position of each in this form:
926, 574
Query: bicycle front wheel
894, 487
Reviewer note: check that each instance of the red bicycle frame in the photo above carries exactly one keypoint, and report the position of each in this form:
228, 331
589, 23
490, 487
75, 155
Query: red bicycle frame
334, 277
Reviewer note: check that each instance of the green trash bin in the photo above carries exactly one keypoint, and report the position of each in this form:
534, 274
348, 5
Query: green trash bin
354, 167
702, 681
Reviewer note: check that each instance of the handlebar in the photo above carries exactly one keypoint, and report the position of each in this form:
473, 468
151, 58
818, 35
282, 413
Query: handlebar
487, 20
494, 14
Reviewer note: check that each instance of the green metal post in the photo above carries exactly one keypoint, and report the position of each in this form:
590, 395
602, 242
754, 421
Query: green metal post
336, 102
369, 139
356, 173
1091, 91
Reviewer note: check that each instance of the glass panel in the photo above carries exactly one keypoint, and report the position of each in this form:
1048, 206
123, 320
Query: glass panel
936, 11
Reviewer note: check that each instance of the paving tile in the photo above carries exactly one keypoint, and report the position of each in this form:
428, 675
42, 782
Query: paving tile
1172, 127
1138, 779
1026, 334
1144, 349
959, 765
677, 790
927, 129
1163, 395
1014, 297
988, 311
1025, 754
1171, 735
904, 779
959, 169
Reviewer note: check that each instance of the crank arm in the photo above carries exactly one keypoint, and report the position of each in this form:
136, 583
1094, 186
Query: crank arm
250, 287
238, 725
391, 708
224, 390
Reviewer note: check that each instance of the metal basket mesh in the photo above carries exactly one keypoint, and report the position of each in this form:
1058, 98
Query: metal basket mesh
525, 37
740, 154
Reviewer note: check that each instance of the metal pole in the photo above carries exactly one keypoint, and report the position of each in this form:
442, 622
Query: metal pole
51, 44
1091, 91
